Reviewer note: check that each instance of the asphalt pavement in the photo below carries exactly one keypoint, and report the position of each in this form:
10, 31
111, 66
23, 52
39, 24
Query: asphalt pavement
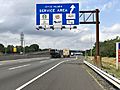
45, 74
68, 76
15, 73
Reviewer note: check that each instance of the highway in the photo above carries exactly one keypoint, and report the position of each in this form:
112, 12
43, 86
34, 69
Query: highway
45, 74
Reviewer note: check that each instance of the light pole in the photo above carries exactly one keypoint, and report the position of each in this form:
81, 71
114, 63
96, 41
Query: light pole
91, 45
85, 54
22, 42
24, 47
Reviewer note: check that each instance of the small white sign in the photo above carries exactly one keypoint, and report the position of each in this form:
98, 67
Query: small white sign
44, 19
70, 21
57, 20
70, 16
44, 22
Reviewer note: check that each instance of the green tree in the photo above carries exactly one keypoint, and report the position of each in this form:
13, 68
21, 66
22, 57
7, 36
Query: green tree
2, 48
27, 49
19, 49
34, 47
10, 49
108, 47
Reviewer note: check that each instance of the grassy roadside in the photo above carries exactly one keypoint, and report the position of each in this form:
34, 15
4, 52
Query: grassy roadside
109, 65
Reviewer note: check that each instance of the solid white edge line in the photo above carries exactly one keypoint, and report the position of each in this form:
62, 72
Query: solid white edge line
19, 67
24, 85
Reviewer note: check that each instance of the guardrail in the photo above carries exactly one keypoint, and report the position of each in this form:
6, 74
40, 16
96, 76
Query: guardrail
108, 77
40, 52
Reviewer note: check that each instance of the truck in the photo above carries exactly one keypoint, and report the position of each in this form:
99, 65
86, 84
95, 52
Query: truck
66, 53
54, 53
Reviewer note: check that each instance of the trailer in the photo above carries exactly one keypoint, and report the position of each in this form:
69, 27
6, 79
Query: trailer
66, 53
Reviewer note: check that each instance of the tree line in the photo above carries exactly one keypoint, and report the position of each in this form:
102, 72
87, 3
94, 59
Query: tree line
27, 49
107, 48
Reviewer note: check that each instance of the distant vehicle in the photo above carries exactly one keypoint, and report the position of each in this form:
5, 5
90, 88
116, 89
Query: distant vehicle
55, 53
66, 53
21, 53
76, 53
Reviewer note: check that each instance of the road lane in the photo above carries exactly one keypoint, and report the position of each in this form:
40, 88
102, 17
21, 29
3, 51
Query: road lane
42, 74
11, 62
20, 62
67, 76
22, 66
11, 79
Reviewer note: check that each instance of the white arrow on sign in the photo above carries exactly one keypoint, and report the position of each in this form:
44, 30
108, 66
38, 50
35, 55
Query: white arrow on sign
72, 8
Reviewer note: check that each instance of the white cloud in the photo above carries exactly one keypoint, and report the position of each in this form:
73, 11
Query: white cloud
18, 16
110, 32
107, 6
115, 29
2, 20
87, 38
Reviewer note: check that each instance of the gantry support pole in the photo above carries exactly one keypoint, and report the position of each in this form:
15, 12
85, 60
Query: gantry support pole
97, 57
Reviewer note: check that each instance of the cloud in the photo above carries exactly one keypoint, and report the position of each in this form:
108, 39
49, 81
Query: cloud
19, 16
107, 6
110, 32
110, 5
115, 29
2, 21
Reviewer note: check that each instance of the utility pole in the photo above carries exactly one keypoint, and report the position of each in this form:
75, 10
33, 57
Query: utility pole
91, 45
22, 41
24, 47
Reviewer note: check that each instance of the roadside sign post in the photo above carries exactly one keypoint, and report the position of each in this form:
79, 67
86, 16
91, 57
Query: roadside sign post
117, 55
57, 15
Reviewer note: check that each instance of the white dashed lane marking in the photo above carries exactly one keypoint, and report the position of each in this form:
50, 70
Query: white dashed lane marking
19, 67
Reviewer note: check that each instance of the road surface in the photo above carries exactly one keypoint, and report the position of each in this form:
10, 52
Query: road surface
45, 74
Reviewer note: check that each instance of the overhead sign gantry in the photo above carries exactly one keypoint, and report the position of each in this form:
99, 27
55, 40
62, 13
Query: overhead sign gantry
60, 15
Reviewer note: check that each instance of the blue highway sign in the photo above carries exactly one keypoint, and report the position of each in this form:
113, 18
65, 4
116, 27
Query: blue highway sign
57, 14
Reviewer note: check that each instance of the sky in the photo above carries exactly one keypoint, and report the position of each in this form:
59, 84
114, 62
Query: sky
18, 16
